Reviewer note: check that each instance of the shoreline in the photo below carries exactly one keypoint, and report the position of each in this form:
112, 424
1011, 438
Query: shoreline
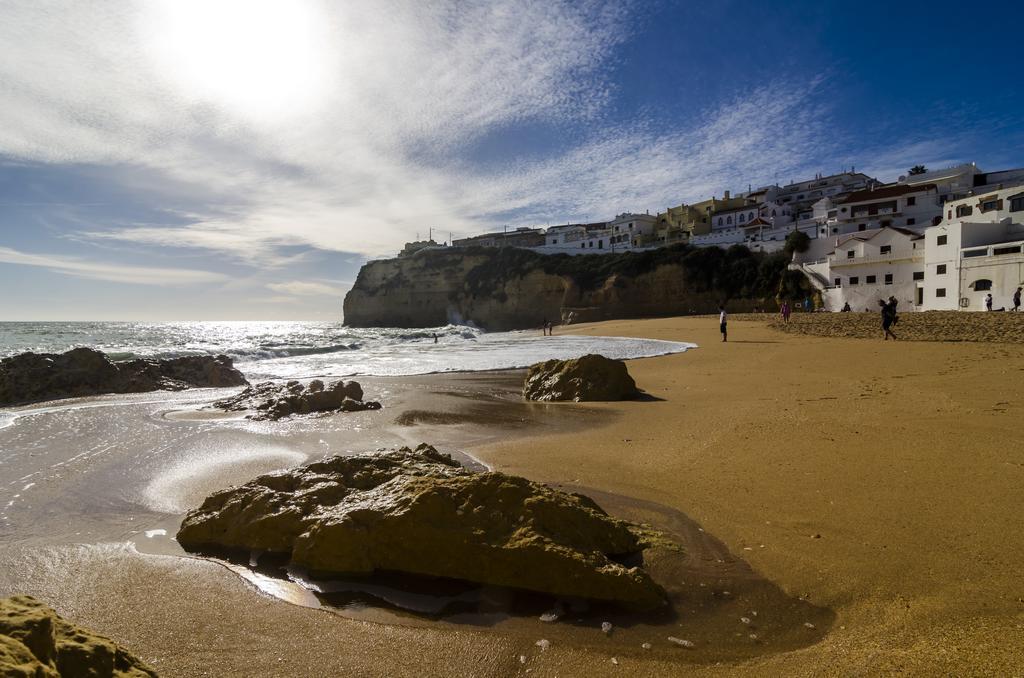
779, 445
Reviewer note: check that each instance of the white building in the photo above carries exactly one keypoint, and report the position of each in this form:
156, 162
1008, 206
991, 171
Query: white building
628, 230
894, 205
976, 251
866, 266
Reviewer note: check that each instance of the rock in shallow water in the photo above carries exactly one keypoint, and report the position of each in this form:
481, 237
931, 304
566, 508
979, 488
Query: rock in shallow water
420, 512
270, 400
35, 641
590, 378
32, 377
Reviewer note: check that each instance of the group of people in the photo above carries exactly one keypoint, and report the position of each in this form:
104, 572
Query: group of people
1016, 301
547, 327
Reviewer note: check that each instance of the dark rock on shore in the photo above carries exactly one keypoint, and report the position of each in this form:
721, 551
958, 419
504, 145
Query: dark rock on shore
32, 377
420, 512
272, 401
590, 378
36, 642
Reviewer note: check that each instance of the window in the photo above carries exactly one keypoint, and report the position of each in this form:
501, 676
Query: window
835, 231
850, 254
885, 249
862, 227
1006, 250
990, 205
912, 200
918, 275
719, 221
981, 285
941, 240
773, 213
854, 280
1017, 204
888, 278
843, 210
911, 221
839, 282
728, 219
964, 211
741, 218
949, 214
940, 269
870, 280
941, 292
600, 244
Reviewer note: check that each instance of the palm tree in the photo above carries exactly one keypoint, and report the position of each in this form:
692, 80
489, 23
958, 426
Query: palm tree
918, 169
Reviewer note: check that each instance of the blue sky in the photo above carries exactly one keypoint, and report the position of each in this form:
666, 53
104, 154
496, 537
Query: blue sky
240, 159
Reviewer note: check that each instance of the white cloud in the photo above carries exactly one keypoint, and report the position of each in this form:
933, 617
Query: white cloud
358, 139
142, 275
305, 289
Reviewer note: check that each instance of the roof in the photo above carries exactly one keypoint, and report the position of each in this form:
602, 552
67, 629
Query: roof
757, 221
864, 236
888, 191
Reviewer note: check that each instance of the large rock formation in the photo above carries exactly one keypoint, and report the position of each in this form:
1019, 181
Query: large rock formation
502, 289
269, 400
591, 377
35, 642
420, 512
31, 377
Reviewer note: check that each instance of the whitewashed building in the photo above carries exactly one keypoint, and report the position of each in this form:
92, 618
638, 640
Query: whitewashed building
977, 249
866, 266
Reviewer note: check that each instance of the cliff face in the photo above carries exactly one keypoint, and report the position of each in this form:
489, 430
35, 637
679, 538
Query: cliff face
516, 289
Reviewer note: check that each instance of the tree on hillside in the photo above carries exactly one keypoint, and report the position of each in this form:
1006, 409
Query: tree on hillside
918, 169
797, 241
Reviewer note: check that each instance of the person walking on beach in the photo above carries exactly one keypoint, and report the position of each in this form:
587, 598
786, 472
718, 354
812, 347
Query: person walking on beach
893, 303
988, 301
1016, 300
544, 325
723, 318
786, 310
888, 312
435, 337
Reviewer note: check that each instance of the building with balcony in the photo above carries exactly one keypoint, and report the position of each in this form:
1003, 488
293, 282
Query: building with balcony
885, 206
866, 266
977, 249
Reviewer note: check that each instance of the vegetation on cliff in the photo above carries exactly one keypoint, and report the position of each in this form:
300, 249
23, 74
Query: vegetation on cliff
512, 288
734, 272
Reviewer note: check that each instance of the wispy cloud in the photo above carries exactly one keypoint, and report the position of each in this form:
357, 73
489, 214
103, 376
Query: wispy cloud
378, 146
305, 289
80, 268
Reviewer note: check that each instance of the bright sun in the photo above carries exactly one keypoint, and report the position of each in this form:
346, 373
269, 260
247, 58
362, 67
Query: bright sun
259, 58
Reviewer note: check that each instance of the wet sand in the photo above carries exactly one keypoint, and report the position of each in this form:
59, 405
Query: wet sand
873, 485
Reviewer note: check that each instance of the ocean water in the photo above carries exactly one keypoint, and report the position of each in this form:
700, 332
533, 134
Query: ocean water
301, 350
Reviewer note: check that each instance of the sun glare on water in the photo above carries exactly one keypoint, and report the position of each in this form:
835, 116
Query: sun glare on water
257, 58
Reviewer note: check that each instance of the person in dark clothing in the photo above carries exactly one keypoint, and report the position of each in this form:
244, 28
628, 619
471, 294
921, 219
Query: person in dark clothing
1016, 300
888, 314
893, 303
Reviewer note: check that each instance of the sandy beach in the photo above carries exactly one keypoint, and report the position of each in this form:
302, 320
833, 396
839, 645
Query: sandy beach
869, 490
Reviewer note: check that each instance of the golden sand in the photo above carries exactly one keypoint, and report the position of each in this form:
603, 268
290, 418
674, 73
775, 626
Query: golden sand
907, 458
1005, 327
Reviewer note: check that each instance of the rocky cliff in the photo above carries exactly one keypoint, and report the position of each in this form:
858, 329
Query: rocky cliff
502, 289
